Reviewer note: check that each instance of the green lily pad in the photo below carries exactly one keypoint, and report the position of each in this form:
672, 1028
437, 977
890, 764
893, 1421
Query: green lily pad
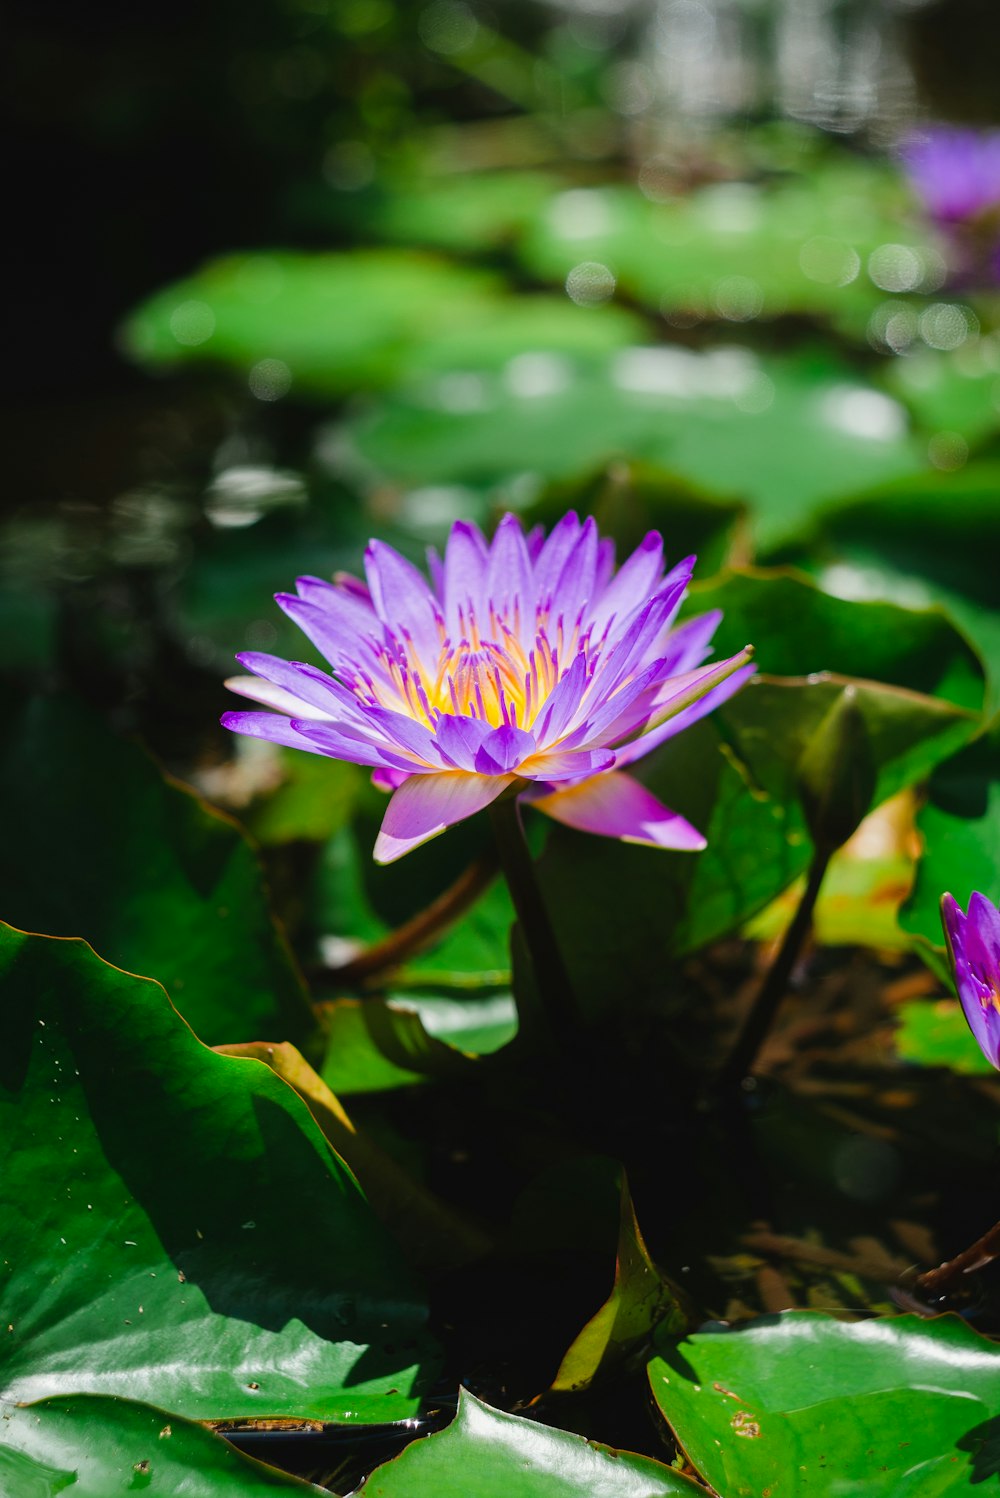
936, 1033
145, 1190
321, 325
798, 630
157, 882
785, 433
375, 1045
950, 391
800, 1402
485, 1453
99, 1446
834, 243
926, 540
959, 824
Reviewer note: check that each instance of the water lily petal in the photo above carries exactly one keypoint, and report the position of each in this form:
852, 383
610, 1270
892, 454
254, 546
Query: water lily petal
615, 805
425, 805
503, 750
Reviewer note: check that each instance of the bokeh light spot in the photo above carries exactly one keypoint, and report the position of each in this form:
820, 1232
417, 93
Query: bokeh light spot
270, 379
590, 282
192, 323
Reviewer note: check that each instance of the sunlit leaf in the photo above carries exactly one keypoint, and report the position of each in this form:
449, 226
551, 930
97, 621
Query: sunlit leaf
959, 824
488, 1454
98, 1446
887, 1408
936, 1033
786, 433
146, 1192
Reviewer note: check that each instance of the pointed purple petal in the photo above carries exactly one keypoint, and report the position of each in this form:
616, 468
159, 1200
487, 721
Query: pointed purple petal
341, 741
553, 556
332, 627
636, 580
402, 597
425, 805
459, 739
509, 574
566, 764
503, 750
271, 727
615, 805
465, 561
690, 644
676, 724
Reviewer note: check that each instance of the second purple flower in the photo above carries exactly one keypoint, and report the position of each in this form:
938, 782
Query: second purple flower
528, 662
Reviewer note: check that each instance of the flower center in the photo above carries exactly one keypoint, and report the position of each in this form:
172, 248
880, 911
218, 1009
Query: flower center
489, 672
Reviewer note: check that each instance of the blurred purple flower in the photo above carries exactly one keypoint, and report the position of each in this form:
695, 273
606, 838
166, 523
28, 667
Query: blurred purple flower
955, 171
974, 944
527, 662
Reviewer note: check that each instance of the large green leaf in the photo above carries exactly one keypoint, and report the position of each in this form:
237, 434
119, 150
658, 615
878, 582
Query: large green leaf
327, 324
960, 826
801, 243
890, 1408
176, 1227
485, 1453
99, 1446
786, 433
153, 879
797, 630
375, 1044
936, 1033
927, 539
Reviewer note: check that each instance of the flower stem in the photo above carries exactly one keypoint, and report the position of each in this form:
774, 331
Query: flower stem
775, 984
940, 1280
556, 997
421, 929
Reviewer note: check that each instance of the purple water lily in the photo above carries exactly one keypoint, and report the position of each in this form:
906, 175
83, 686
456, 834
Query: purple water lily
956, 171
974, 944
529, 662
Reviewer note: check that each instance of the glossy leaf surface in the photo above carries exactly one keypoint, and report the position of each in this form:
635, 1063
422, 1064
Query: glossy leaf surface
895, 1407
99, 1446
485, 1453
146, 1188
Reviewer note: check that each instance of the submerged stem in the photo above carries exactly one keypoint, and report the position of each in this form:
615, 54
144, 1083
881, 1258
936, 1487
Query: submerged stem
940, 1280
423, 928
555, 991
775, 984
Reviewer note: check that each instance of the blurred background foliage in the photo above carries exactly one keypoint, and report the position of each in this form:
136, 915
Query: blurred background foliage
298, 274
292, 274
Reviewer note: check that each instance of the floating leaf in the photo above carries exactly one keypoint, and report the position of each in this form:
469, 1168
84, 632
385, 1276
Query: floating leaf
157, 882
99, 1446
320, 325
886, 1408
376, 1044
799, 630
936, 1033
786, 433
959, 824
485, 1453
146, 1191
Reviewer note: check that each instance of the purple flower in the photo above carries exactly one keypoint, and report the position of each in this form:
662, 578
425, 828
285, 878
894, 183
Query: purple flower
974, 944
528, 662
955, 171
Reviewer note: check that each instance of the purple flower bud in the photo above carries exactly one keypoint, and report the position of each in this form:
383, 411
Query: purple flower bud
974, 945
